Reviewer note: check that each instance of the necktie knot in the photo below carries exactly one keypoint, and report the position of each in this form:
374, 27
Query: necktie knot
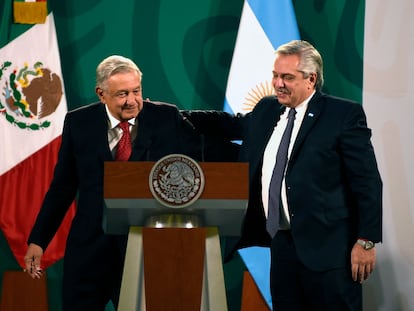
124, 125
292, 113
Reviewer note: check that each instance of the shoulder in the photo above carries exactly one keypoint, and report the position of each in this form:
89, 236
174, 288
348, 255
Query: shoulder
91, 108
266, 101
267, 107
158, 114
334, 104
159, 106
335, 100
154, 111
338, 109
86, 113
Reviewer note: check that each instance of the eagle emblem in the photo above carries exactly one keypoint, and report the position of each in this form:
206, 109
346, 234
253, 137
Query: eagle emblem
29, 94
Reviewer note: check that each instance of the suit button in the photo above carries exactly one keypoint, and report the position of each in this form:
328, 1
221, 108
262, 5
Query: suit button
291, 215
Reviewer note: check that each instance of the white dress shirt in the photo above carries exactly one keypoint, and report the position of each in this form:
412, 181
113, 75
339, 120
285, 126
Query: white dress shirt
269, 157
115, 132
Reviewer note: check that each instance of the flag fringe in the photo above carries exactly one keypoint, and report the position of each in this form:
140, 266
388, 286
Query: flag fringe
30, 12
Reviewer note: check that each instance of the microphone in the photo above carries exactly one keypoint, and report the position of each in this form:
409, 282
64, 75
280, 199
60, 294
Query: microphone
188, 123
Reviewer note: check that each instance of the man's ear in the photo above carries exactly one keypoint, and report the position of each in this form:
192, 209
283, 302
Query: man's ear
99, 92
312, 77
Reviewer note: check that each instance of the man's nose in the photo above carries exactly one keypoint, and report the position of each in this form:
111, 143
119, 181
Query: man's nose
130, 98
278, 82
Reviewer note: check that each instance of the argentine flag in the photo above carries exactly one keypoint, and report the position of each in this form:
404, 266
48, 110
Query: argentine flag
264, 25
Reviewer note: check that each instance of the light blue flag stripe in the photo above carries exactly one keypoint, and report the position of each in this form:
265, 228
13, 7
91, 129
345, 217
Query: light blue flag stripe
257, 261
278, 21
277, 18
226, 107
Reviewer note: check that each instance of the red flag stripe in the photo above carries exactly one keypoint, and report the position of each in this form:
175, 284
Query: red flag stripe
22, 190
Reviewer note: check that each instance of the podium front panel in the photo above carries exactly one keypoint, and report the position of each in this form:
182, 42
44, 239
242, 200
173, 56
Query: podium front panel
129, 201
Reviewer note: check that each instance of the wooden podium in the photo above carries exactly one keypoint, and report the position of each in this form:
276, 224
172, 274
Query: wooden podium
179, 266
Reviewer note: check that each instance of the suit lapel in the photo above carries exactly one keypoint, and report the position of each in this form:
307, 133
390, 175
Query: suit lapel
311, 116
102, 127
271, 118
263, 132
142, 143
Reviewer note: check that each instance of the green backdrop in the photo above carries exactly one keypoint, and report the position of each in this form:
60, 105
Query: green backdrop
184, 49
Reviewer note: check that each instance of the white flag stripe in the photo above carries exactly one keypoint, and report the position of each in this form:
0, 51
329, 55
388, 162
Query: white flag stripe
252, 61
38, 44
264, 25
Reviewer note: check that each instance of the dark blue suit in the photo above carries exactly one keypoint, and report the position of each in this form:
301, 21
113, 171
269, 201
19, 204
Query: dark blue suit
334, 190
332, 181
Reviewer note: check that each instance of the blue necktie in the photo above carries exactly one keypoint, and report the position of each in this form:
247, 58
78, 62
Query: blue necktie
273, 217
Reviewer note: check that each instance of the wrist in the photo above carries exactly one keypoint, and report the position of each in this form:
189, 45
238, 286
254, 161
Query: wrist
365, 243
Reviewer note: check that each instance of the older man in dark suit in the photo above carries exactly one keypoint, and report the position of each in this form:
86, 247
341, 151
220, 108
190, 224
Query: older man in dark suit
315, 192
122, 126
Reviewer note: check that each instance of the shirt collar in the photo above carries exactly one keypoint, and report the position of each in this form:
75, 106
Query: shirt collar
301, 108
113, 122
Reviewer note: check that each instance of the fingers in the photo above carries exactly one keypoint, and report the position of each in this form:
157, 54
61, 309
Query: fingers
32, 261
361, 272
355, 272
362, 263
32, 264
368, 270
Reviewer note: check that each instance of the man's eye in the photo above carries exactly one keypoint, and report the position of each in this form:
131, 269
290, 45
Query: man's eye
122, 95
137, 92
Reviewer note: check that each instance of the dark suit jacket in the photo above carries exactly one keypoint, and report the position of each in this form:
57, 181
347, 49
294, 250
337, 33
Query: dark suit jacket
79, 174
84, 149
334, 189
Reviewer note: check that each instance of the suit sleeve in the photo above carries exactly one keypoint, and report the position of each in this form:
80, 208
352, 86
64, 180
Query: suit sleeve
215, 133
60, 195
216, 123
361, 171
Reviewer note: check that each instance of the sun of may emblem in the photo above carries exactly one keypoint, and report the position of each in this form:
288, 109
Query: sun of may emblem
256, 94
29, 94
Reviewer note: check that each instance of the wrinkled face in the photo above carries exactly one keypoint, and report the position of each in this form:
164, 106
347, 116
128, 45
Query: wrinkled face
290, 85
123, 95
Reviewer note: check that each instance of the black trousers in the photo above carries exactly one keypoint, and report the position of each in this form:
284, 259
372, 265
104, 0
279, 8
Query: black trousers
93, 273
294, 287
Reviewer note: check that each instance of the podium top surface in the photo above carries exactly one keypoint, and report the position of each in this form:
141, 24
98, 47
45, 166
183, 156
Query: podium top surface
129, 180
129, 201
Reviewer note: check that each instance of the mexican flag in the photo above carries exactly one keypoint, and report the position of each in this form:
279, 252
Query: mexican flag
32, 110
29, 11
